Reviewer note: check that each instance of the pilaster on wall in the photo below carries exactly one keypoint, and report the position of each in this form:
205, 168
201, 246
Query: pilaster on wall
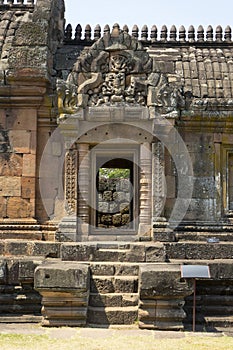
83, 190
68, 226
161, 231
145, 192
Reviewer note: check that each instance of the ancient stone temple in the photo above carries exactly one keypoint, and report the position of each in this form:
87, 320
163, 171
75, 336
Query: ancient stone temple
116, 170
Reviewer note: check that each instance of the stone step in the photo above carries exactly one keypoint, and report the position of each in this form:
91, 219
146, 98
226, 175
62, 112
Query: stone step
31, 298
219, 321
127, 315
6, 318
203, 236
114, 269
211, 310
199, 250
114, 284
113, 299
210, 301
29, 248
103, 252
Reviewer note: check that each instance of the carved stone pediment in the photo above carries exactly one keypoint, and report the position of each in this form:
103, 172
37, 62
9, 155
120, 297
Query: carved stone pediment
117, 71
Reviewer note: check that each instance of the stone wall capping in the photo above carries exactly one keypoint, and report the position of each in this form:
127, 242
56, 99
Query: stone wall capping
146, 36
16, 3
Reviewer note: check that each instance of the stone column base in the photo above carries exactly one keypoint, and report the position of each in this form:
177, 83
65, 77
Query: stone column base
64, 287
161, 297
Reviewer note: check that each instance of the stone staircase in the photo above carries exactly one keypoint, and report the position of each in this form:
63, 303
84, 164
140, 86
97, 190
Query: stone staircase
113, 295
114, 290
214, 305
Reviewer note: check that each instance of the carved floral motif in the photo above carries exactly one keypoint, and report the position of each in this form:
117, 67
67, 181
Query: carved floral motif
71, 181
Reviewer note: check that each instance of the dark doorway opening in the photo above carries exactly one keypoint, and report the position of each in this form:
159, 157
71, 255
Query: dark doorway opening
115, 193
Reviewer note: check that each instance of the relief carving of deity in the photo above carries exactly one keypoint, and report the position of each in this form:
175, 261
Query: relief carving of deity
117, 70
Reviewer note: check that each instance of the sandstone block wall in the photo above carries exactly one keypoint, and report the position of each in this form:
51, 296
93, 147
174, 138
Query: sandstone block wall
114, 202
17, 163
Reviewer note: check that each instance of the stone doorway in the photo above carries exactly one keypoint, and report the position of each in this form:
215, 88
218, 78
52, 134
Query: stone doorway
114, 198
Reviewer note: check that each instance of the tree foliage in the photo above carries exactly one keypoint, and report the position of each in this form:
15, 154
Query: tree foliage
114, 173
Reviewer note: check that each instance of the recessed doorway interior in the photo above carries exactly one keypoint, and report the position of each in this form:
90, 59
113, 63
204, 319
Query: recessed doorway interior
115, 189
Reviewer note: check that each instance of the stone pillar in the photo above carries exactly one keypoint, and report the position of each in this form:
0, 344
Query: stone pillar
161, 231
145, 192
83, 191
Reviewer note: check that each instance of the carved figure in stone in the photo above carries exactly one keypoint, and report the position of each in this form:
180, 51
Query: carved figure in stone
67, 97
117, 70
166, 97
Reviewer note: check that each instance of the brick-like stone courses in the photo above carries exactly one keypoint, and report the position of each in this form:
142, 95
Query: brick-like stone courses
18, 164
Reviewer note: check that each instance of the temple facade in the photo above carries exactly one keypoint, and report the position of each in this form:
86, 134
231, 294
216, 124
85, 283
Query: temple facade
116, 169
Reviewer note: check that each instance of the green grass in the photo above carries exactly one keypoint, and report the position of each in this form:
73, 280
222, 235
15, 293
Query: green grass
115, 341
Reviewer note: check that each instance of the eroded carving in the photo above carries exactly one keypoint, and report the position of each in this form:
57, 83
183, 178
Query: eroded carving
67, 98
164, 96
117, 70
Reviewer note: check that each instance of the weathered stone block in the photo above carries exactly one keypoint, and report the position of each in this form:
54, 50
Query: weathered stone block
3, 206
162, 293
102, 269
65, 291
125, 219
77, 252
106, 219
124, 208
125, 284
107, 196
162, 280
102, 184
13, 271
136, 253
28, 187
107, 300
20, 140
126, 270
3, 272
116, 219
27, 269
29, 165
199, 251
10, 186
103, 207
22, 119
18, 208
13, 248
11, 165
46, 249
130, 299
62, 276
155, 253
109, 315
102, 285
